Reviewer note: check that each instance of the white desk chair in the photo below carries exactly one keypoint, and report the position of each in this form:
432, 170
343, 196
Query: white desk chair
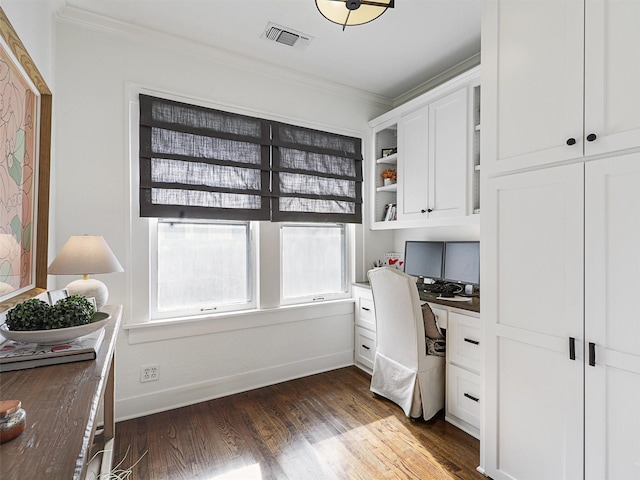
402, 370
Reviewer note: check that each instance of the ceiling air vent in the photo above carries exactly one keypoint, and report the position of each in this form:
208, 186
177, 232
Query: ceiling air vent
286, 36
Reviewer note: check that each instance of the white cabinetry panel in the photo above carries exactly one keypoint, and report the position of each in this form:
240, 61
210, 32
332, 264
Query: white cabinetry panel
533, 94
612, 313
413, 168
563, 94
448, 133
533, 390
612, 70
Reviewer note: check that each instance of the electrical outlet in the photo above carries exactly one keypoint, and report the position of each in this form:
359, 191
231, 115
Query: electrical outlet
150, 373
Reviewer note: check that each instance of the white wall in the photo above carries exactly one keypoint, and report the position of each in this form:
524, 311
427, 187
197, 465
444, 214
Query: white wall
94, 65
34, 23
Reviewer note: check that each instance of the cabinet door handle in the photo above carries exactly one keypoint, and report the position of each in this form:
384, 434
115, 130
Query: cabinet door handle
365, 308
591, 137
592, 354
365, 347
572, 348
571, 141
474, 342
471, 397
427, 210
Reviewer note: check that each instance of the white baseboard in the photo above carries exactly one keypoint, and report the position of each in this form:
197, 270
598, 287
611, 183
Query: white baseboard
160, 401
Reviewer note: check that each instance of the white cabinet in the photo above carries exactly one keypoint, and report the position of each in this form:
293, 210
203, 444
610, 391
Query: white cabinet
532, 257
433, 159
612, 318
464, 363
562, 364
365, 328
435, 138
559, 80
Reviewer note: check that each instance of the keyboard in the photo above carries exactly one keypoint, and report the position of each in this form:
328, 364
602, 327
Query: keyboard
442, 288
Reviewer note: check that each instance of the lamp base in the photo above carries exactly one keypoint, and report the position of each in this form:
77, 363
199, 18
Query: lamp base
90, 287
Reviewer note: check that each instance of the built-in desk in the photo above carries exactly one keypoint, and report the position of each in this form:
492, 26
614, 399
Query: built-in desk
464, 351
62, 403
432, 298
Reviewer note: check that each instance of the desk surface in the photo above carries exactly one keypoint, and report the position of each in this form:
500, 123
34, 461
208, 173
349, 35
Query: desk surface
62, 402
472, 306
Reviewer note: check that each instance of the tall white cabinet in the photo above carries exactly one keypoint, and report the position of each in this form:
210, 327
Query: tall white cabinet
560, 239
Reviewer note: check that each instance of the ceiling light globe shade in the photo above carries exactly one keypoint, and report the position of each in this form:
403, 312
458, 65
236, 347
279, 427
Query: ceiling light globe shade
336, 11
90, 287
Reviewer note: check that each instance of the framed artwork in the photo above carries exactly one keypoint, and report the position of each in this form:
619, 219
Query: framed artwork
25, 146
388, 151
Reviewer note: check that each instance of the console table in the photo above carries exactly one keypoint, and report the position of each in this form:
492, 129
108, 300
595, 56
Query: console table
62, 404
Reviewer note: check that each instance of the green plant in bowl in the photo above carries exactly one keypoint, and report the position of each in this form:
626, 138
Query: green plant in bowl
31, 314
34, 314
70, 312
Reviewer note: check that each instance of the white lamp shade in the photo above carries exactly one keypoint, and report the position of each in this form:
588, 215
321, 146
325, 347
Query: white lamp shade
83, 255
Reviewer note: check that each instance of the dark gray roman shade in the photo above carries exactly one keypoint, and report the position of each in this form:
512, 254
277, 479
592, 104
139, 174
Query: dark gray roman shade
317, 176
197, 162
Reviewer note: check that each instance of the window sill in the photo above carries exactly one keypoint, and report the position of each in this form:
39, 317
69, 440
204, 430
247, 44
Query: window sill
169, 329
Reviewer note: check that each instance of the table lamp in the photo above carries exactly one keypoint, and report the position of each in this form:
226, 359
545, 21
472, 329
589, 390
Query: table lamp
84, 255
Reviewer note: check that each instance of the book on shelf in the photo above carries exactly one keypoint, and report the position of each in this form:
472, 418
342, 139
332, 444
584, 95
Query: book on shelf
19, 356
390, 212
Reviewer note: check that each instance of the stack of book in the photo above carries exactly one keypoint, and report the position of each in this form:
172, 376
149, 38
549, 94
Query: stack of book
18, 356
390, 212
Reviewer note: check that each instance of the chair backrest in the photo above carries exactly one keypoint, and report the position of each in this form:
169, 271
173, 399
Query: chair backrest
399, 326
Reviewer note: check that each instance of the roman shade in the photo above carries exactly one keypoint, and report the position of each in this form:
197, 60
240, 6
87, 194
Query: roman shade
201, 163
317, 176
197, 162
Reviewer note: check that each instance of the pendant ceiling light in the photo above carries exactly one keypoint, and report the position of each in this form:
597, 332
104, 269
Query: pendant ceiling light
352, 12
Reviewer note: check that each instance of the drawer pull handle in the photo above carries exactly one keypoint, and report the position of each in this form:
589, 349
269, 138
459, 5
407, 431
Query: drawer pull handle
572, 348
475, 399
365, 308
474, 342
365, 347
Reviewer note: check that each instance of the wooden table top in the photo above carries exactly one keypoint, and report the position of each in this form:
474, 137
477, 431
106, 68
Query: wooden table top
62, 402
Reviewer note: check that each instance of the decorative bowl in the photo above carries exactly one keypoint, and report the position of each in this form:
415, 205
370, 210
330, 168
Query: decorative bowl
56, 335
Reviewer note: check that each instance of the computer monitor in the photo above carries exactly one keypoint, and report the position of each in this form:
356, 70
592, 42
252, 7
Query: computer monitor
462, 262
424, 259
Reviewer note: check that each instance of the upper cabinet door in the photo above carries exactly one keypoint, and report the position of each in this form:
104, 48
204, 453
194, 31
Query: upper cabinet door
532, 95
413, 170
612, 67
448, 133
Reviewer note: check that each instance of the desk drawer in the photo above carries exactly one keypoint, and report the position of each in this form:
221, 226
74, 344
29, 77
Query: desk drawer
463, 395
463, 341
365, 313
365, 347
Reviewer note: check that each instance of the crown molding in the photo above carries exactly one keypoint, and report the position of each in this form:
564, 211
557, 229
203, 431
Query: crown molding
439, 79
90, 20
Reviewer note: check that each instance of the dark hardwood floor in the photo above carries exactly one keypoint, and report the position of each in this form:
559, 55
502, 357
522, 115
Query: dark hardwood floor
326, 426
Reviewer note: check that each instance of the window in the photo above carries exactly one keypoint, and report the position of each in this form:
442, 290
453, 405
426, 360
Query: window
215, 188
203, 267
314, 261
